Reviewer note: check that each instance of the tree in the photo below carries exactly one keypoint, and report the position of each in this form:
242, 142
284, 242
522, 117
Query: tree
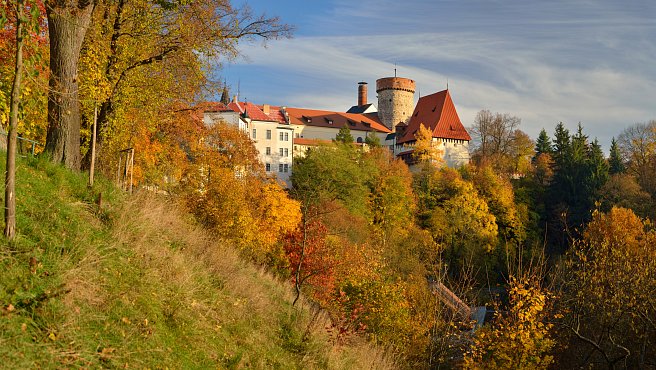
622, 190
25, 16
494, 134
521, 337
67, 25
372, 140
31, 114
128, 47
424, 151
615, 163
637, 144
543, 144
344, 136
521, 152
607, 287
310, 259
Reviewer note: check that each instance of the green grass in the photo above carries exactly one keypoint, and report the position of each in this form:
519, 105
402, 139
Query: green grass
133, 283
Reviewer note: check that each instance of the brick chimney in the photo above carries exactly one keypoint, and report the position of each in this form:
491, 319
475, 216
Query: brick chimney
362, 93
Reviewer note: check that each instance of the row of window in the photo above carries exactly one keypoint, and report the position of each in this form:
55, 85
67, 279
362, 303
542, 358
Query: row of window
284, 136
281, 167
284, 152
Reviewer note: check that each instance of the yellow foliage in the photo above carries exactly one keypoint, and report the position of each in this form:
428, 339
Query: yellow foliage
519, 340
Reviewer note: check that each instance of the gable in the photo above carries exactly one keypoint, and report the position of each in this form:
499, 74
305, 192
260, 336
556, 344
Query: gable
438, 113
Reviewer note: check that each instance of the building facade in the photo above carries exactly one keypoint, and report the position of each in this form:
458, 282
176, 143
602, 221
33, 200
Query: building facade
280, 133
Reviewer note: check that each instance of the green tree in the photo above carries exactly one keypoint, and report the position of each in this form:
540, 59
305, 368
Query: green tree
372, 140
543, 144
615, 163
344, 136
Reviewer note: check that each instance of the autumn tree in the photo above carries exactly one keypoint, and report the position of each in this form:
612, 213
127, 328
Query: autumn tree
496, 139
622, 190
607, 287
425, 152
31, 113
126, 49
67, 24
520, 337
637, 143
311, 260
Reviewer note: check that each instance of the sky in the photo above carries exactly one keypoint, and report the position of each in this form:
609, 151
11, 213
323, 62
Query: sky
587, 61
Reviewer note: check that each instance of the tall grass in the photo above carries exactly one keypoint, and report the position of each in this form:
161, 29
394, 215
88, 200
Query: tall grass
133, 283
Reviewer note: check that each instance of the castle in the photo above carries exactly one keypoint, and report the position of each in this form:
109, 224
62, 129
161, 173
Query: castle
281, 133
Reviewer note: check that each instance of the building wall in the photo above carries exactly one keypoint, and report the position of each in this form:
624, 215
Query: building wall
329, 133
279, 154
395, 100
455, 153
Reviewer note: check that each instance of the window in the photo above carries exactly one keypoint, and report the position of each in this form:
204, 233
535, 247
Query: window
282, 136
268, 150
286, 153
286, 168
268, 135
297, 135
281, 152
254, 133
286, 136
268, 167
359, 140
280, 167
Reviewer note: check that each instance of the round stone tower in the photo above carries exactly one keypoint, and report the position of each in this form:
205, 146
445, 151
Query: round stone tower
395, 100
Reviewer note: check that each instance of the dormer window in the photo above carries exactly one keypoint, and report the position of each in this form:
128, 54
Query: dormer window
330, 122
307, 119
352, 123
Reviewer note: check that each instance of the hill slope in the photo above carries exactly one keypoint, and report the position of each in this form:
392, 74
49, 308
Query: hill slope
132, 283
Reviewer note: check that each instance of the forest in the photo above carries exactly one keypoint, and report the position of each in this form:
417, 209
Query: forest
552, 237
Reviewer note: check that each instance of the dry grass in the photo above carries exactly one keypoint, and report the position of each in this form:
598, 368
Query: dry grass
204, 286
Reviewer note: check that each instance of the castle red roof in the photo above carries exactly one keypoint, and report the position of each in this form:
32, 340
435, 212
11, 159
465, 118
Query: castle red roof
320, 118
253, 111
437, 112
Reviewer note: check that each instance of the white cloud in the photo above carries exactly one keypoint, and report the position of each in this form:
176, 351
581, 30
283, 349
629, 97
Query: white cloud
562, 64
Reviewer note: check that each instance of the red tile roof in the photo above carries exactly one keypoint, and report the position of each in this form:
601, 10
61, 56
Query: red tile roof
252, 111
437, 112
309, 142
210, 107
320, 118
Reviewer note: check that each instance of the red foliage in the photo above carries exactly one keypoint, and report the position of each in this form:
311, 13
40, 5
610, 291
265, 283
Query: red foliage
311, 260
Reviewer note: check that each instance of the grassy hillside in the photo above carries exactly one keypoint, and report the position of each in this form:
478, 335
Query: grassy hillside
132, 283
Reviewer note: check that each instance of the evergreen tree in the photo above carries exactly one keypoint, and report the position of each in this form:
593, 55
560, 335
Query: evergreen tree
561, 144
597, 171
372, 140
615, 163
543, 144
344, 136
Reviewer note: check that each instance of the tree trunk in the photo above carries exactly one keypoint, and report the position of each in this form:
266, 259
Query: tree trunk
10, 169
67, 24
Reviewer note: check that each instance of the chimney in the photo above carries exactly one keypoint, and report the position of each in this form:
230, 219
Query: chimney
266, 108
362, 93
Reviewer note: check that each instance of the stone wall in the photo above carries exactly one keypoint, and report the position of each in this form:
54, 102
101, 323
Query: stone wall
395, 100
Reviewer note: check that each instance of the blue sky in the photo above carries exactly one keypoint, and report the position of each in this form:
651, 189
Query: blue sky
582, 61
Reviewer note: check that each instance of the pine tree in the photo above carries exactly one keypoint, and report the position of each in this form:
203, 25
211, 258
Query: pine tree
597, 171
615, 163
344, 136
543, 144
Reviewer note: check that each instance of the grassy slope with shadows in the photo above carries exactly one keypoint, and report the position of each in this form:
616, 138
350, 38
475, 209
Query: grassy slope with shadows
133, 283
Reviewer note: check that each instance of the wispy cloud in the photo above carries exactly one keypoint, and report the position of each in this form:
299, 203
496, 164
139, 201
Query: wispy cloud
589, 62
